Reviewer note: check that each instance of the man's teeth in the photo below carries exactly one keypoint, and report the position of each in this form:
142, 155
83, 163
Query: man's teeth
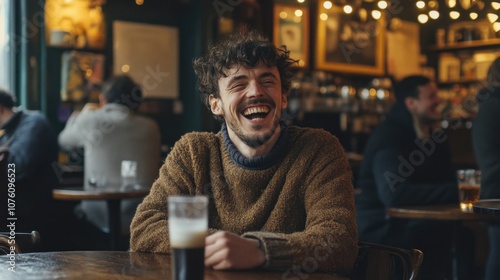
256, 110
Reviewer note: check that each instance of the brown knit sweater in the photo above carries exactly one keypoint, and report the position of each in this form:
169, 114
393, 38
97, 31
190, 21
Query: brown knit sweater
301, 209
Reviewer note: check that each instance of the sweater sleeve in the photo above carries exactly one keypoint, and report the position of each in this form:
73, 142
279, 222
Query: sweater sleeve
73, 133
329, 240
149, 227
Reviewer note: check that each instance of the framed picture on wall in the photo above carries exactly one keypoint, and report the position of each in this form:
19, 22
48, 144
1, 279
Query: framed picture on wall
349, 44
291, 28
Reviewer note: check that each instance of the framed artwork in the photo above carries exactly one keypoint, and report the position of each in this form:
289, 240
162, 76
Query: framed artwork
291, 28
157, 66
347, 44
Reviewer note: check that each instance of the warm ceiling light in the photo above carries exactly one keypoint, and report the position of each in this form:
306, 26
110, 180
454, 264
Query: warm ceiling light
328, 5
323, 16
434, 14
362, 13
283, 15
376, 14
422, 18
452, 3
139, 2
492, 17
495, 5
382, 4
420, 4
347, 9
298, 13
301, 1
496, 26
433, 4
454, 14
473, 15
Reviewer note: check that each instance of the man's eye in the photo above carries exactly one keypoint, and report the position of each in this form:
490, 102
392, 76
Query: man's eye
238, 87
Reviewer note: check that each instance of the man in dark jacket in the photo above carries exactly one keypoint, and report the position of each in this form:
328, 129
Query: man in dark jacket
407, 162
486, 139
32, 146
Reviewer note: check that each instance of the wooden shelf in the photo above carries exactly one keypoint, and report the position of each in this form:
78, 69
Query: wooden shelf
468, 45
76, 49
460, 81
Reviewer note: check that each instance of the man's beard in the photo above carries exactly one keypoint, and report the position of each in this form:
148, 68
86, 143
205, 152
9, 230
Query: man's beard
256, 141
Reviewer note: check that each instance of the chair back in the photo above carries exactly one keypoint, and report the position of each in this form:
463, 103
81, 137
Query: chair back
21, 242
380, 262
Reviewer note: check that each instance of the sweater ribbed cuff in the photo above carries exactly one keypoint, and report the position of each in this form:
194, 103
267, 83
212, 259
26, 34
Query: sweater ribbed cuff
278, 252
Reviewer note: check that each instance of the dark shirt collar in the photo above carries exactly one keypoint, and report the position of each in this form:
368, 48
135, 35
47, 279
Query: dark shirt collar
277, 153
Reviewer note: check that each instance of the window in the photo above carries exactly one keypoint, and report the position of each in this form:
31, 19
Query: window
6, 51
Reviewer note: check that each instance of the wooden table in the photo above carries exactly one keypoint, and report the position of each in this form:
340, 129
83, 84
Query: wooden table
446, 212
113, 199
489, 207
120, 265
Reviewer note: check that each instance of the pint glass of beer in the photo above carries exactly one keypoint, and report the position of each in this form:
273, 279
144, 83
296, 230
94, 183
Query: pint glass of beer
187, 224
469, 186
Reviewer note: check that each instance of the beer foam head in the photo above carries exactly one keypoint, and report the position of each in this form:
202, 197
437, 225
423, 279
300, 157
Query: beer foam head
187, 233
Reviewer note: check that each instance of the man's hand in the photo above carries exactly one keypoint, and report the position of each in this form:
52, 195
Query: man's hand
225, 250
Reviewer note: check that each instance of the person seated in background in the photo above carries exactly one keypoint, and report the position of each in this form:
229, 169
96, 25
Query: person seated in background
486, 140
279, 195
110, 134
32, 148
407, 161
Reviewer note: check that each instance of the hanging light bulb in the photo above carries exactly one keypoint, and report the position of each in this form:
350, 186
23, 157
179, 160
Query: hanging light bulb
323, 16
473, 15
454, 14
376, 14
433, 4
298, 13
420, 4
328, 5
496, 26
363, 14
492, 17
495, 5
348, 9
423, 18
434, 14
382, 4
452, 3
301, 1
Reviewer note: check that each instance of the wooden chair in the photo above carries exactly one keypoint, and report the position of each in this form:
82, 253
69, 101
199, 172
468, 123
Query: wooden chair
380, 262
24, 242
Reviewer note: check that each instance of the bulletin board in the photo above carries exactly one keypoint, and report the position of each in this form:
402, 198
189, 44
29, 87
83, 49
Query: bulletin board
150, 55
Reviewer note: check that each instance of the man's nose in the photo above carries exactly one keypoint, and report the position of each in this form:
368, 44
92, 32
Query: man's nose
254, 90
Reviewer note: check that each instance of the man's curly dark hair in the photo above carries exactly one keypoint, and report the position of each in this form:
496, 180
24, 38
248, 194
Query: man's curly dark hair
243, 48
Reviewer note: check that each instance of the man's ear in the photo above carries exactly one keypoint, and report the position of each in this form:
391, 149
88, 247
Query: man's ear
215, 105
284, 101
410, 103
